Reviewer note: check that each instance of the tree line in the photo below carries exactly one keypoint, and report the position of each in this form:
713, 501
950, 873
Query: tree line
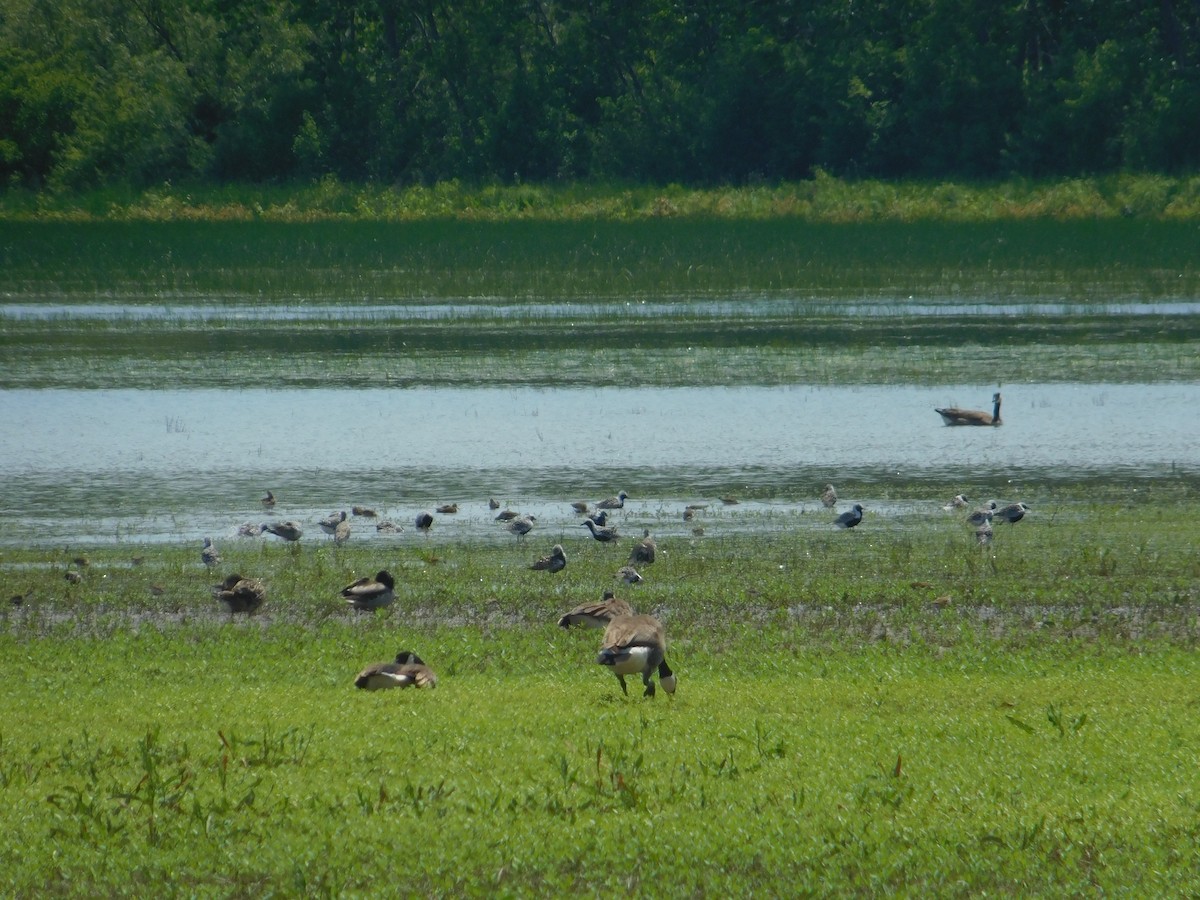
96, 92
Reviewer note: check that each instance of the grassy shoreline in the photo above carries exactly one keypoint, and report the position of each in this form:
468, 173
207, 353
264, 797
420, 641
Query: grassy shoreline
823, 199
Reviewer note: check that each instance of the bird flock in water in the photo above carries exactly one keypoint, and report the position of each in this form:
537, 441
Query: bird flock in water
633, 643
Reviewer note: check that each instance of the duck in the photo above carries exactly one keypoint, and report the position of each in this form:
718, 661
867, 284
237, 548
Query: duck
637, 645
597, 614
603, 535
371, 593
407, 670
983, 514
555, 562
330, 523
617, 502
521, 525
289, 531
208, 554
850, 518
954, 416
424, 521
240, 595
629, 575
1013, 513
829, 497
643, 551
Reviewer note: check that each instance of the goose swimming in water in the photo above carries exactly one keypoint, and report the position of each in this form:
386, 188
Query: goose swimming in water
954, 416
408, 670
637, 645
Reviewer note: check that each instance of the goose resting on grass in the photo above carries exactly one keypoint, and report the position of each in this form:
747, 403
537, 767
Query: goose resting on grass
408, 670
371, 593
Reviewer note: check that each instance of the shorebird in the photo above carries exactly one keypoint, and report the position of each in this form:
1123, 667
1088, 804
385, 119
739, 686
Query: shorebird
289, 531
341, 534
1013, 513
555, 562
365, 511
268, 500
643, 551
829, 497
983, 514
603, 535
447, 509
521, 525
958, 501
637, 645
209, 555
424, 522
850, 518
954, 416
240, 595
617, 502
408, 670
629, 575
371, 593
330, 523
597, 614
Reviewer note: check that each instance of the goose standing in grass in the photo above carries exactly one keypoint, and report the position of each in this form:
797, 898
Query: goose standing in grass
289, 531
958, 501
629, 575
408, 670
268, 500
850, 518
829, 497
643, 551
424, 521
603, 535
371, 593
617, 502
597, 614
983, 514
555, 562
954, 416
240, 595
637, 645
1013, 513
521, 525
208, 554
330, 523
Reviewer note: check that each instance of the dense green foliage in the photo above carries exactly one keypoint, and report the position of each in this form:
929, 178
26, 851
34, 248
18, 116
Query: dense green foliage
652, 90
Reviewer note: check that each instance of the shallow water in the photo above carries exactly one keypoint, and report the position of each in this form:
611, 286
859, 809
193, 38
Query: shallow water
165, 465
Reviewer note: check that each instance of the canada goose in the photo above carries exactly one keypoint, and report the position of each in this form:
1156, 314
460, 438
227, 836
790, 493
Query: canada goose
1013, 513
635, 645
958, 501
617, 502
371, 593
555, 562
424, 522
330, 523
209, 555
289, 531
829, 497
983, 514
603, 535
629, 575
268, 500
521, 525
580, 506
407, 670
953, 416
447, 509
365, 511
850, 518
643, 551
598, 614
341, 534
240, 595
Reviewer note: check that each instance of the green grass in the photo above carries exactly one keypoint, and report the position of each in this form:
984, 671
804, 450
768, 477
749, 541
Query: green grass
837, 729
